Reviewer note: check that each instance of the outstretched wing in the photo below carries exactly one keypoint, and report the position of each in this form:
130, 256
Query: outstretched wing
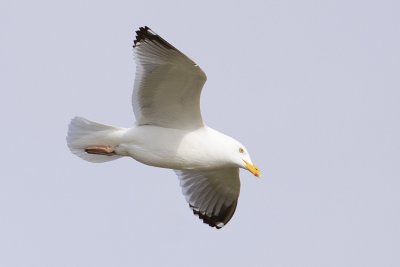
167, 84
212, 195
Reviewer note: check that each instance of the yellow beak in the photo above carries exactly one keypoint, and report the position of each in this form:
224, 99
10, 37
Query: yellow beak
253, 169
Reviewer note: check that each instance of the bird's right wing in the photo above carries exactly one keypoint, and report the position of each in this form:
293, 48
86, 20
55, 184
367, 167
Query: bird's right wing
212, 194
167, 84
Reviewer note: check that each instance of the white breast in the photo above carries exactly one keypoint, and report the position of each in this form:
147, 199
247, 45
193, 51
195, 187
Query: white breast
156, 146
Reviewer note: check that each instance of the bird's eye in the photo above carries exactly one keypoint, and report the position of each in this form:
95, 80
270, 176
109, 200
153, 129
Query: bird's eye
241, 150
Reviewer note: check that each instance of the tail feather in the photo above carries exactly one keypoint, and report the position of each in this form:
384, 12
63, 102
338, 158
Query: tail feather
83, 133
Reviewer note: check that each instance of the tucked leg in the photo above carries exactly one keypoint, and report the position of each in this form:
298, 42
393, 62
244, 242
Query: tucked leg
101, 150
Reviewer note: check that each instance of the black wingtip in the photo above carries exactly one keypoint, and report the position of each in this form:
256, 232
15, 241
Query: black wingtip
217, 221
140, 35
146, 34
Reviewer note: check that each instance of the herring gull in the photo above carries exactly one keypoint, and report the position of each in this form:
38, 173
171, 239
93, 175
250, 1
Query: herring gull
169, 132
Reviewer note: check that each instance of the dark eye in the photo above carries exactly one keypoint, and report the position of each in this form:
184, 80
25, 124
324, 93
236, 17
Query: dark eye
241, 150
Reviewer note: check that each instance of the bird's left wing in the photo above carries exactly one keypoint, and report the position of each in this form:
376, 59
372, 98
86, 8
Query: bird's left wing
167, 84
212, 194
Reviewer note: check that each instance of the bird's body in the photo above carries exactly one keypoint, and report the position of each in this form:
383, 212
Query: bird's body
148, 144
170, 133
186, 149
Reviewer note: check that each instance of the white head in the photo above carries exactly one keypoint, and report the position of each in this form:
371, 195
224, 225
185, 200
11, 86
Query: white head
242, 159
232, 152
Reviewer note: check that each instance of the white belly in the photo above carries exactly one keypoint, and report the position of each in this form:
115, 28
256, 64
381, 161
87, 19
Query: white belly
171, 148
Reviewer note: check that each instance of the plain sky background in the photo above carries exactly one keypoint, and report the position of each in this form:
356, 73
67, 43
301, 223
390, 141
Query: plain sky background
312, 88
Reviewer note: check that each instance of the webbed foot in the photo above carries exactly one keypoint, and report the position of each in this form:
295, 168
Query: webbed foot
101, 150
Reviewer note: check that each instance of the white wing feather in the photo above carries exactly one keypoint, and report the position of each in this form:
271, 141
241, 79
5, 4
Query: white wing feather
167, 85
211, 194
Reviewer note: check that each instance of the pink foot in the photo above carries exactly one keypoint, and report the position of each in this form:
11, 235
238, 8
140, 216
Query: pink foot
101, 150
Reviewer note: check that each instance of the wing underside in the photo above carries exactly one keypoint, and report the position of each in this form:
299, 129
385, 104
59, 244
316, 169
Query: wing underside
167, 85
212, 195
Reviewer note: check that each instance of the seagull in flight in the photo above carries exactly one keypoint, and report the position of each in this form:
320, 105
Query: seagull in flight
170, 133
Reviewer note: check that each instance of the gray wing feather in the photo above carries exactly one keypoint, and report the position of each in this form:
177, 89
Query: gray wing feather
212, 195
167, 84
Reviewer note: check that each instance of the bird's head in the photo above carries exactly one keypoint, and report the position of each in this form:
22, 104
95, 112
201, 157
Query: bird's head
242, 159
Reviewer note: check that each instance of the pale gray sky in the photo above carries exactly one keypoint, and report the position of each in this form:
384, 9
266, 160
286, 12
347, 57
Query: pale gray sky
311, 88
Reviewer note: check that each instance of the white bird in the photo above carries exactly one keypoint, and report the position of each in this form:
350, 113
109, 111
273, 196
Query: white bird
169, 132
